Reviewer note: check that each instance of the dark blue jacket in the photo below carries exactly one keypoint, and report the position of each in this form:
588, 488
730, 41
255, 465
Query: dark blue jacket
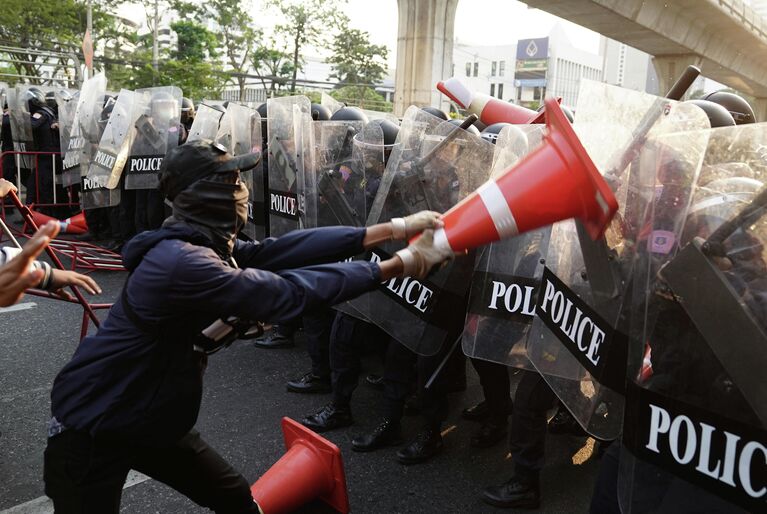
124, 382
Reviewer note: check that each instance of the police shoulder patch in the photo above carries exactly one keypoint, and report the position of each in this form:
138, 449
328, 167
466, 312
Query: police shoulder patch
37, 115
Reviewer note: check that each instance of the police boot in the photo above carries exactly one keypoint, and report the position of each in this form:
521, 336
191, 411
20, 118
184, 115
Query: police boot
273, 341
490, 433
424, 446
385, 434
522, 491
310, 383
330, 417
564, 423
478, 412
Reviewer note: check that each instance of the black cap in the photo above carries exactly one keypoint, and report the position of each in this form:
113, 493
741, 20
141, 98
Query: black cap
188, 163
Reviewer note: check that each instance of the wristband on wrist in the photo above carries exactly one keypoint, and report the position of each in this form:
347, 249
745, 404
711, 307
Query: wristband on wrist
398, 229
408, 261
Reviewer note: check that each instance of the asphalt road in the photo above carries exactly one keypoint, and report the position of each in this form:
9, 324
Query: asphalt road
245, 399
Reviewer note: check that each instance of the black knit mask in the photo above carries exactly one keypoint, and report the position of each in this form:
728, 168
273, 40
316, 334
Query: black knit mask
217, 206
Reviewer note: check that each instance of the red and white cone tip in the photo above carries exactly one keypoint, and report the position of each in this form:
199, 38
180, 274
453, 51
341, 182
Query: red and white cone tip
456, 91
556, 181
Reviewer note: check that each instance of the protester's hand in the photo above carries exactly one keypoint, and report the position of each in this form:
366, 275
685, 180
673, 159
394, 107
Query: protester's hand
409, 226
6, 187
62, 278
421, 256
17, 276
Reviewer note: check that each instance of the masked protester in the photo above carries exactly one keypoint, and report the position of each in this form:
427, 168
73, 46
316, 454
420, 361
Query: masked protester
130, 396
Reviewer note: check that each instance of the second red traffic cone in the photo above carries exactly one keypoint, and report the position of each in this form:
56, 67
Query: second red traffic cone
311, 468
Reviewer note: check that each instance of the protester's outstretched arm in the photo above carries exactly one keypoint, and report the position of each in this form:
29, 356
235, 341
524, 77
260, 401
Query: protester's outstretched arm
21, 272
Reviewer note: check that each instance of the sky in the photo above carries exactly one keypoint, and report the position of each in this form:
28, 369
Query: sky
477, 22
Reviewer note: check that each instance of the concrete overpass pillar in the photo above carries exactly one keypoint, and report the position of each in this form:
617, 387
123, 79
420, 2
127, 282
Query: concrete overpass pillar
668, 68
424, 52
760, 109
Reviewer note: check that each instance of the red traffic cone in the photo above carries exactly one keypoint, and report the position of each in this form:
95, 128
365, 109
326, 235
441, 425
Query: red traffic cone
489, 110
311, 468
78, 219
74, 225
556, 181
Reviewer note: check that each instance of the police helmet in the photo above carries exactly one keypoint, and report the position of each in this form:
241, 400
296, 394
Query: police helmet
490, 134
718, 116
187, 107
349, 114
34, 98
106, 112
390, 130
739, 108
471, 130
50, 100
261, 109
320, 113
164, 106
439, 113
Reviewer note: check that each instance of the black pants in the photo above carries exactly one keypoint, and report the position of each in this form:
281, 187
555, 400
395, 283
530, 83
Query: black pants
348, 339
402, 369
496, 387
317, 325
83, 476
527, 440
150, 210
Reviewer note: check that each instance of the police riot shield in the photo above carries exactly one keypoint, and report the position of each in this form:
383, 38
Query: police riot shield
434, 165
256, 227
21, 126
331, 103
506, 275
69, 137
695, 438
289, 139
205, 124
338, 179
157, 115
577, 340
110, 157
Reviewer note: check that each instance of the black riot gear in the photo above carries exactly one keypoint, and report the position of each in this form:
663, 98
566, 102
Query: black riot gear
187, 112
718, 116
35, 99
349, 114
261, 110
490, 134
739, 108
439, 113
389, 129
320, 113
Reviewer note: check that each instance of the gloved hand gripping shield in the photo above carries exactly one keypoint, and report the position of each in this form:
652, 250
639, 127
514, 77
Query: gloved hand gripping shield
292, 201
577, 340
506, 275
157, 114
434, 165
108, 162
696, 404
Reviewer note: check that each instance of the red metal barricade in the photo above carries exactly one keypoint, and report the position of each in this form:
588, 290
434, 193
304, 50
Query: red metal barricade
84, 256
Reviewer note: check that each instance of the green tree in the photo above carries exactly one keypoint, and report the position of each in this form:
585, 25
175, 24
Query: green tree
58, 27
273, 64
356, 60
307, 23
363, 97
235, 34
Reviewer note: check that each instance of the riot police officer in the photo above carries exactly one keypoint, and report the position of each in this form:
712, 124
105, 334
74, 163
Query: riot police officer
187, 113
40, 185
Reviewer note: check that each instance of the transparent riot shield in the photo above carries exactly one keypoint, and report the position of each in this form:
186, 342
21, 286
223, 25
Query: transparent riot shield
331, 103
21, 127
256, 228
577, 340
695, 437
338, 178
506, 275
157, 114
434, 165
289, 136
110, 157
205, 124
